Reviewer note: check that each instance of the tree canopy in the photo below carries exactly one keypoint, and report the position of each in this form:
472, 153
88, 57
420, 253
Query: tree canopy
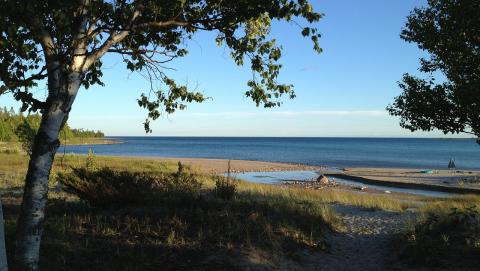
448, 98
146, 34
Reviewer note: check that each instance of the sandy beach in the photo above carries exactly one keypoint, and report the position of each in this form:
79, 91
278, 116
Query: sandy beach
221, 165
447, 178
459, 181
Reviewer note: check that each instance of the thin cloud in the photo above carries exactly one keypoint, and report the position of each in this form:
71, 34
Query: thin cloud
310, 68
365, 113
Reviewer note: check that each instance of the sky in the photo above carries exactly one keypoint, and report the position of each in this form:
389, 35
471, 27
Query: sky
341, 92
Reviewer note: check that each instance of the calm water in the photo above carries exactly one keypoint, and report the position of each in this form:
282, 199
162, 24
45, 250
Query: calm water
333, 152
306, 175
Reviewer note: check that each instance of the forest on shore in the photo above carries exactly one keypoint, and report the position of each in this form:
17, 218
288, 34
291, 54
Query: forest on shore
13, 123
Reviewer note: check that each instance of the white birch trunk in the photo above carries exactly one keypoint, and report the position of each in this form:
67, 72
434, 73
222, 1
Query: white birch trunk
30, 224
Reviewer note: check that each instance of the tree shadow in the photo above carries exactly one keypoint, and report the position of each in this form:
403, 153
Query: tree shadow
191, 234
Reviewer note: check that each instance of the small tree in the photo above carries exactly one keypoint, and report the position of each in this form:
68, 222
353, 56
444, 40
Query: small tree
448, 99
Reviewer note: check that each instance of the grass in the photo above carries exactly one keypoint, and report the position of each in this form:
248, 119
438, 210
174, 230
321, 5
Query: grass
15, 165
445, 234
260, 226
381, 202
252, 229
203, 234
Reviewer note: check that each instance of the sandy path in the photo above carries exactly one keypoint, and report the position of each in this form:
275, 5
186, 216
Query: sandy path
364, 244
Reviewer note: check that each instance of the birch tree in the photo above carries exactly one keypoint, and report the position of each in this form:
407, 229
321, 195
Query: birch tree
61, 44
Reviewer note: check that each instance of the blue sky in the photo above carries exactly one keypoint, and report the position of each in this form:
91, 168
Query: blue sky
340, 92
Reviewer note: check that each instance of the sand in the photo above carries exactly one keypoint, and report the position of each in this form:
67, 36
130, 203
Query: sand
221, 165
366, 242
441, 178
208, 165
410, 176
415, 176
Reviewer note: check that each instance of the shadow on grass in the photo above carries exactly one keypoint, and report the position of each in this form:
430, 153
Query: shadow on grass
251, 232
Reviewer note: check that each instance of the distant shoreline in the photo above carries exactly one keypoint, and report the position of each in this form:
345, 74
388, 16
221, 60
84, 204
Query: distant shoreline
90, 141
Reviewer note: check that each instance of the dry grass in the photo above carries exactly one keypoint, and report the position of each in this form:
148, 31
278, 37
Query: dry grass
383, 202
274, 221
211, 233
444, 206
444, 235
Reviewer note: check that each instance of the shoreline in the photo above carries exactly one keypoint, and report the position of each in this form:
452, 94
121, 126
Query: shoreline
215, 165
400, 184
458, 181
91, 141
441, 180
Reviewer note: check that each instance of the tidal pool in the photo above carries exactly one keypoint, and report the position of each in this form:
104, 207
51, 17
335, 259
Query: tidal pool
276, 177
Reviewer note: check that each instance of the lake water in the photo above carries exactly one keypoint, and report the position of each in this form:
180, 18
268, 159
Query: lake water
332, 152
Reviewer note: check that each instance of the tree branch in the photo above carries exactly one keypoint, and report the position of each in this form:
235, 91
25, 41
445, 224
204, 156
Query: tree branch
13, 85
112, 40
80, 40
163, 24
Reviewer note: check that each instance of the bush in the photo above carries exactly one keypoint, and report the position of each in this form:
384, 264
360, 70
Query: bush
225, 188
445, 239
106, 187
91, 162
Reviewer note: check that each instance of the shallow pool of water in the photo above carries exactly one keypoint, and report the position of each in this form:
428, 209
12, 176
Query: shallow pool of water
306, 175
277, 176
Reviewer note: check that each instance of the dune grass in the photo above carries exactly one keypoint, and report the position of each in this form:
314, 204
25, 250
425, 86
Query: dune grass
445, 234
260, 226
196, 233
372, 201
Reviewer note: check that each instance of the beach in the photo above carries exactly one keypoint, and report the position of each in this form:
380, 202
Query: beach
459, 181
207, 165
359, 224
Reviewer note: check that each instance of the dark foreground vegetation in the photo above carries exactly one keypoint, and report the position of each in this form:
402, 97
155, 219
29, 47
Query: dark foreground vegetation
445, 238
164, 218
144, 214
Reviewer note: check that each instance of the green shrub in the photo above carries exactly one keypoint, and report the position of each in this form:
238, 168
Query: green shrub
106, 187
180, 184
445, 239
225, 188
91, 163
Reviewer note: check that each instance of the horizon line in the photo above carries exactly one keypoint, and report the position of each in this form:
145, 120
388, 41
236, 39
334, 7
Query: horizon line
213, 136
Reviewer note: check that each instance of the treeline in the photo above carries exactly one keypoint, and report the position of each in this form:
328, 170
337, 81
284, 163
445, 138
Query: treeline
85, 133
10, 121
